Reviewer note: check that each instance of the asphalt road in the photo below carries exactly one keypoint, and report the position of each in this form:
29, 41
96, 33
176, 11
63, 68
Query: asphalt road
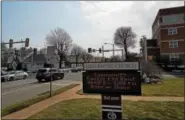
19, 90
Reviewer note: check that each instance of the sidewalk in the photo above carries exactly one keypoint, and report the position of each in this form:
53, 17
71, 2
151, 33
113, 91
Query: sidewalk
71, 94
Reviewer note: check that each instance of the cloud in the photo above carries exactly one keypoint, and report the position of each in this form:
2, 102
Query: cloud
106, 16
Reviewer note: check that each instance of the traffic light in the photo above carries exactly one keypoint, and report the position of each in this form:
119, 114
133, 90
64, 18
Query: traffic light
27, 42
89, 50
11, 43
100, 50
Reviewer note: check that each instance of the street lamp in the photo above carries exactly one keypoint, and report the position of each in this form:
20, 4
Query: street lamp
112, 47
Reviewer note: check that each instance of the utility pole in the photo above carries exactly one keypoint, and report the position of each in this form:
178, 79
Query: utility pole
113, 50
102, 53
51, 81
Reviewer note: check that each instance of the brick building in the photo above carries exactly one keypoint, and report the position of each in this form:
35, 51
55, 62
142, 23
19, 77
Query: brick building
169, 33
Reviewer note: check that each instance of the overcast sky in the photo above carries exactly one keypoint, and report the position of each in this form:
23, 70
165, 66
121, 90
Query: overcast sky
89, 23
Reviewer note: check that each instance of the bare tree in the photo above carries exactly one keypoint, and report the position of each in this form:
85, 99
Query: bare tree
141, 42
124, 37
62, 42
86, 57
77, 51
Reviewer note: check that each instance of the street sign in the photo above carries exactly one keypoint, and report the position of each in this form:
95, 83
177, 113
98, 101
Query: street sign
111, 107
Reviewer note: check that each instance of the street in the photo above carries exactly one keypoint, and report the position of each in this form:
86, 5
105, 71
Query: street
19, 90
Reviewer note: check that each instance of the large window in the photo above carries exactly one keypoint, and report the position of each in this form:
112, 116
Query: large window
172, 31
171, 19
174, 57
173, 44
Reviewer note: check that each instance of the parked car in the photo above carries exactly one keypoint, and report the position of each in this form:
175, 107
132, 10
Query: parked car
80, 68
14, 75
47, 74
66, 70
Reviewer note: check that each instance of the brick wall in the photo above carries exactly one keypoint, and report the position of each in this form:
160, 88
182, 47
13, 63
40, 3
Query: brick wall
165, 47
179, 35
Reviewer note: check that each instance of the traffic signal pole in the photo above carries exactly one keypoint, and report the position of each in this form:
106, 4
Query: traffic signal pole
11, 42
102, 50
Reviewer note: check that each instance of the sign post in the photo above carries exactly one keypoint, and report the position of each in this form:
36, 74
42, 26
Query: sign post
111, 80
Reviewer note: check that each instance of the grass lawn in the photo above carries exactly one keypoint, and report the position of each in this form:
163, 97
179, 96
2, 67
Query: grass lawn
23, 104
170, 87
91, 109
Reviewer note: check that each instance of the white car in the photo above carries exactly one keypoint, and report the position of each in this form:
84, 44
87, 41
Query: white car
66, 70
15, 75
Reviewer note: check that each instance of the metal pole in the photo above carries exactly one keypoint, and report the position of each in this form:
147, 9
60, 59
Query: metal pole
50, 79
113, 50
102, 53
50, 83
32, 60
145, 49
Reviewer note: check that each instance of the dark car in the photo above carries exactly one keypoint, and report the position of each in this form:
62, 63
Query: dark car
2, 76
47, 74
